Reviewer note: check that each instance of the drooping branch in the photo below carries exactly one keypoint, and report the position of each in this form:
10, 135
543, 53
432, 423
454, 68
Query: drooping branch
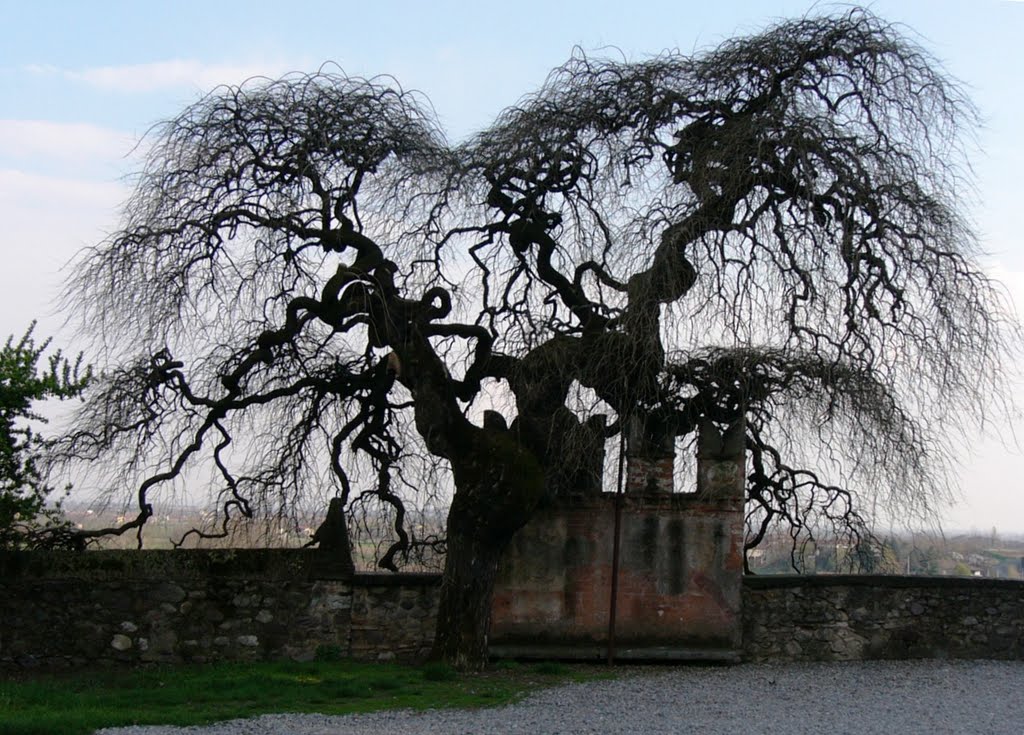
772, 227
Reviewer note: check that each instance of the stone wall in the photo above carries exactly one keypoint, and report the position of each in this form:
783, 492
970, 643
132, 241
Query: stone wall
836, 618
129, 607
393, 616
133, 607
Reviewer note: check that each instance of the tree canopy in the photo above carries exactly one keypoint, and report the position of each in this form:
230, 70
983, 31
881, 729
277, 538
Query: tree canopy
315, 291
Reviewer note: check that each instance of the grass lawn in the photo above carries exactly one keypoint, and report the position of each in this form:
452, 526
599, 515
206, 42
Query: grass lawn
77, 704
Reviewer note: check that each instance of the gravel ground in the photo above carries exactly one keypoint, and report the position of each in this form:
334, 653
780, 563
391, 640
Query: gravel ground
933, 697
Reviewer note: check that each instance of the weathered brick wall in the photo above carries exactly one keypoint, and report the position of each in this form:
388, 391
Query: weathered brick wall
679, 588
677, 568
836, 618
136, 607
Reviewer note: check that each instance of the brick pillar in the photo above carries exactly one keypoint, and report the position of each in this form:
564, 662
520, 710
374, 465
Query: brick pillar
650, 459
721, 460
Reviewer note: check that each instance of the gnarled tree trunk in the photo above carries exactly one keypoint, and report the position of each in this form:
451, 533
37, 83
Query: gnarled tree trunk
498, 484
464, 615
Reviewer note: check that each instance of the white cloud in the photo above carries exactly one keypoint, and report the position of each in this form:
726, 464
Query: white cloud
37, 191
46, 220
157, 75
78, 142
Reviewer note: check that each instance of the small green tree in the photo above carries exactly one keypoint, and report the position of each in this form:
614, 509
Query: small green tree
26, 520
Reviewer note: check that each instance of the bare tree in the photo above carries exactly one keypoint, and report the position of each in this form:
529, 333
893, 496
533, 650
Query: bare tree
319, 291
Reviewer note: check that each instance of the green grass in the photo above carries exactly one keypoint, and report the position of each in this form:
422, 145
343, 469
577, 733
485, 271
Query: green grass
439, 671
77, 704
553, 668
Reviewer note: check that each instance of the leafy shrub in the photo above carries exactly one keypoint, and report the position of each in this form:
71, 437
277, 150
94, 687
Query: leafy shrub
27, 519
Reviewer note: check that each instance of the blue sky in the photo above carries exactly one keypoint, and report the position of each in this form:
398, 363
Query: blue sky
81, 81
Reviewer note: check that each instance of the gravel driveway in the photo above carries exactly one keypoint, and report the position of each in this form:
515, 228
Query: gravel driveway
895, 698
